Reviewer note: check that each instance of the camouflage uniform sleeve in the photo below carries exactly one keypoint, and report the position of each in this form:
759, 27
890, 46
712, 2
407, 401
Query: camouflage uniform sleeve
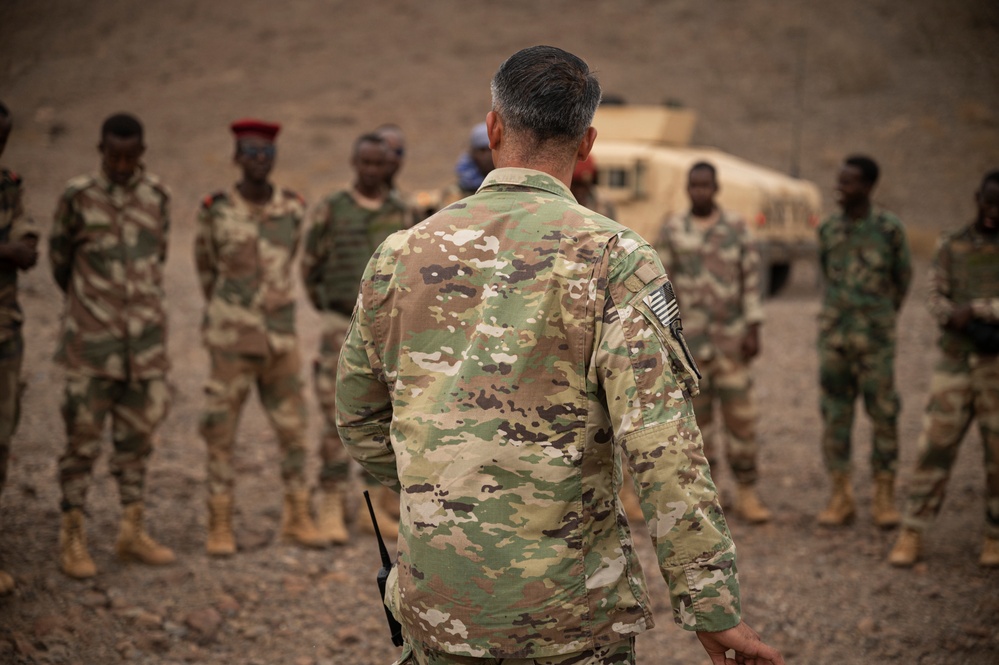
165, 216
938, 285
902, 273
752, 305
647, 382
23, 226
314, 256
65, 224
664, 246
363, 402
205, 257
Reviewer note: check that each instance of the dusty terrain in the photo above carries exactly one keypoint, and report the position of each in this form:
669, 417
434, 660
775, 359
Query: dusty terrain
913, 83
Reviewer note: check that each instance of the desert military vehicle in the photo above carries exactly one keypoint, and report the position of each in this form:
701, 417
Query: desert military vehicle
643, 154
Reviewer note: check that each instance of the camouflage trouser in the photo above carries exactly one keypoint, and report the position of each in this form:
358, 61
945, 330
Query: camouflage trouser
280, 389
962, 389
727, 381
618, 653
136, 407
11, 354
845, 371
335, 461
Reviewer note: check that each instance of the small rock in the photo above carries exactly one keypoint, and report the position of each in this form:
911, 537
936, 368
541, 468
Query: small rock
227, 605
295, 585
93, 598
44, 625
348, 635
867, 626
205, 622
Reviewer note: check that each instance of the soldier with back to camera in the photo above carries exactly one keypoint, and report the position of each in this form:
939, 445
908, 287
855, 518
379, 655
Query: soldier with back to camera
502, 355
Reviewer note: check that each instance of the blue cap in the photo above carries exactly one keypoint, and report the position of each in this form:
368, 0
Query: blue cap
480, 137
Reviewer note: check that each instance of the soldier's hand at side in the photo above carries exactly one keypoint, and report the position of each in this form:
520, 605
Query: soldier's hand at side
749, 649
959, 317
751, 342
21, 253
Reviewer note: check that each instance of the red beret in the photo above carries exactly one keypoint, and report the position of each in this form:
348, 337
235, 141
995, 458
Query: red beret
251, 127
585, 170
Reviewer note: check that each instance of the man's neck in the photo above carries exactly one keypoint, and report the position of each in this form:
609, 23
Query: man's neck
255, 191
857, 212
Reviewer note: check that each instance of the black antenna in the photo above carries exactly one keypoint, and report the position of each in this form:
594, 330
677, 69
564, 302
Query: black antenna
394, 628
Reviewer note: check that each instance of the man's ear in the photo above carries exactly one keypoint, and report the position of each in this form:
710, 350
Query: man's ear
494, 129
589, 138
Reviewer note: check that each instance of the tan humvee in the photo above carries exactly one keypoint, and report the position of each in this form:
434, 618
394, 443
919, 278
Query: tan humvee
643, 154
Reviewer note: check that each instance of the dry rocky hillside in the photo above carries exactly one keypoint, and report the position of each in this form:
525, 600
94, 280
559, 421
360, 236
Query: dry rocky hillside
912, 83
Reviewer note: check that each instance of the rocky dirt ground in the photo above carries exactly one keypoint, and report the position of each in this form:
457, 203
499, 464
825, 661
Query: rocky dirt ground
911, 82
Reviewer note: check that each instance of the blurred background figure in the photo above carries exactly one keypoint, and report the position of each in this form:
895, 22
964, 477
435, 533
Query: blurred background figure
347, 227
712, 261
471, 169
866, 268
18, 252
107, 250
244, 249
964, 299
395, 142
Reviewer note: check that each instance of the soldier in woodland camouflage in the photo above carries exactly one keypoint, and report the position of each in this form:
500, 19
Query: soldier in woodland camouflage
713, 262
964, 298
107, 250
244, 247
346, 228
18, 251
503, 354
864, 259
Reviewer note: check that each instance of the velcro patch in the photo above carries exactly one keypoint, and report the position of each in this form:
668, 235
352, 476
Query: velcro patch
663, 304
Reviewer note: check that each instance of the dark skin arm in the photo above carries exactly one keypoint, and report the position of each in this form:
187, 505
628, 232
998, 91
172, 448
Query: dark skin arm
21, 254
959, 318
751, 342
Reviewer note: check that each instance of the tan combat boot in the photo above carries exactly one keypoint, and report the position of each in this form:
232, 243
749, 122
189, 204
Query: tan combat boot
907, 550
990, 553
331, 517
135, 544
748, 505
840, 509
296, 522
6, 583
387, 525
74, 560
221, 541
883, 508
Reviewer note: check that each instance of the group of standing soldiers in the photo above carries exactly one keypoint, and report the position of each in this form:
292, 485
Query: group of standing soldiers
866, 269
108, 248
107, 251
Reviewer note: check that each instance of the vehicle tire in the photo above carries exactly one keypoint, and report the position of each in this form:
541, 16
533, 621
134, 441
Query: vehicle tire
778, 278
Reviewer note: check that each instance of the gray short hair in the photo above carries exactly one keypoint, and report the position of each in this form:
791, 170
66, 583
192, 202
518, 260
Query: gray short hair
547, 92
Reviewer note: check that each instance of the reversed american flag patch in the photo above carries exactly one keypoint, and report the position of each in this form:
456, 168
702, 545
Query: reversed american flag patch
663, 304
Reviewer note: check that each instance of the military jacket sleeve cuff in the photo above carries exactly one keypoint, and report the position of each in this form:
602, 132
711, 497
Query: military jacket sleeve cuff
986, 309
695, 550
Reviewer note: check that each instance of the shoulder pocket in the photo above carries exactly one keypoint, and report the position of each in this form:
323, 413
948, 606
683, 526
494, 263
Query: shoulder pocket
658, 304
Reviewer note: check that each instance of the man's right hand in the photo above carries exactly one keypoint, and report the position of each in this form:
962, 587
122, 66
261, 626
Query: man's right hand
21, 254
749, 649
959, 317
